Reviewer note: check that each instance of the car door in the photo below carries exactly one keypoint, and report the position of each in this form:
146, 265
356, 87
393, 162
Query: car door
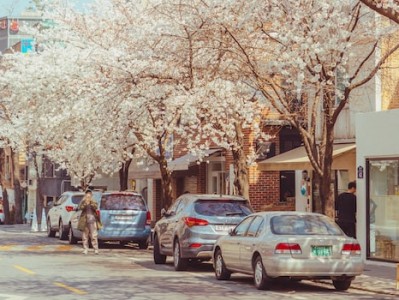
57, 209
249, 243
167, 226
231, 244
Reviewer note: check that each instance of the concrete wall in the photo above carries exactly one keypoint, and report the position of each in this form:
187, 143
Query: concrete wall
376, 137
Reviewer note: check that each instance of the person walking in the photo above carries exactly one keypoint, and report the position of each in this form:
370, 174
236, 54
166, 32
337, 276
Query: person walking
345, 208
89, 222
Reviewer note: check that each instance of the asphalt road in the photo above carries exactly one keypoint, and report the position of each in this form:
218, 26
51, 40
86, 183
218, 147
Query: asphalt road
33, 266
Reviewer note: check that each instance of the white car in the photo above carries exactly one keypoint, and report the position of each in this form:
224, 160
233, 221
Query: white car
1, 215
59, 215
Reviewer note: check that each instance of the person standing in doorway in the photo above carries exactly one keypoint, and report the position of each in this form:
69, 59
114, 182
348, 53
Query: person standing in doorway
89, 222
345, 208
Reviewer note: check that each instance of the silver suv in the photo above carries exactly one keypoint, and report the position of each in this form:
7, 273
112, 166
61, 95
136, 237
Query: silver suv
189, 229
60, 213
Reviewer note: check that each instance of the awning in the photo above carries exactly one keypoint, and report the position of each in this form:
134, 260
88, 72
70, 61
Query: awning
344, 157
178, 164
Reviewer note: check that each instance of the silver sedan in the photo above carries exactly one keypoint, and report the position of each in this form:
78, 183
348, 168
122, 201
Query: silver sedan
294, 245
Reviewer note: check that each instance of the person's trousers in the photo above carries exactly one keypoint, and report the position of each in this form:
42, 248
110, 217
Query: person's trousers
348, 227
90, 231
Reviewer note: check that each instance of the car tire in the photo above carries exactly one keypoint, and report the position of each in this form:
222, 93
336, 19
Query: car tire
221, 271
342, 285
143, 244
50, 232
179, 262
159, 259
261, 279
71, 238
62, 234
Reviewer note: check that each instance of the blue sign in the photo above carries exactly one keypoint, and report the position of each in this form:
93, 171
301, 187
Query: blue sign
27, 46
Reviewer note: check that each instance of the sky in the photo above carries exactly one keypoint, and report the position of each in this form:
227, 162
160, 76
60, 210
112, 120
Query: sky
12, 7
15, 7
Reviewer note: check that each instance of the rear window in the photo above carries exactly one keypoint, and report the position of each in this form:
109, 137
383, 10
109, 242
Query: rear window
304, 225
222, 208
122, 202
77, 199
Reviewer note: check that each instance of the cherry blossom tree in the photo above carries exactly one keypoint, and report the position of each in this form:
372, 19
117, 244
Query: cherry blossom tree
307, 58
387, 8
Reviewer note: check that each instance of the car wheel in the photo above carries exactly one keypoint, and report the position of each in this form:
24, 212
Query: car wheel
260, 278
179, 263
62, 234
50, 232
143, 244
159, 259
72, 240
342, 285
221, 271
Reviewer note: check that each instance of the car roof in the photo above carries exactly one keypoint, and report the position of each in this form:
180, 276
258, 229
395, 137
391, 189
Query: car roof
211, 197
279, 213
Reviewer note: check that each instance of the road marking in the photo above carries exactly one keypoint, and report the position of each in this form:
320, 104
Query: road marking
34, 248
69, 288
24, 270
64, 248
6, 247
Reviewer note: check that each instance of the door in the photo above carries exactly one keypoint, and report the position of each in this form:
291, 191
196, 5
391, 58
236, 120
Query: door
57, 210
216, 178
249, 244
168, 225
231, 245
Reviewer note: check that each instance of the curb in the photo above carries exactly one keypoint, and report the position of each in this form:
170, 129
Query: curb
355, 286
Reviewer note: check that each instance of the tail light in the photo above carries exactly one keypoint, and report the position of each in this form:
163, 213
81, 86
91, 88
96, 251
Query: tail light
98, 214
288, 248
351, 249
195, 245
69, 208
190, 222
148, 220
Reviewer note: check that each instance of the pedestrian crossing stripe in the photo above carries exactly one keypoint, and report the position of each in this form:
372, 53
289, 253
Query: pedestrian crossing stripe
37, 248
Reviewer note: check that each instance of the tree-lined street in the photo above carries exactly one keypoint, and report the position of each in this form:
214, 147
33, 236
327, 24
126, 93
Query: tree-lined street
34, 266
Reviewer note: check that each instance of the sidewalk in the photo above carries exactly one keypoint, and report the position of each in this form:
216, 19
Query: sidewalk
378, 277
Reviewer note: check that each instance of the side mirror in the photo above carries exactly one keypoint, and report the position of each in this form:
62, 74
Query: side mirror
163, 212
232, 232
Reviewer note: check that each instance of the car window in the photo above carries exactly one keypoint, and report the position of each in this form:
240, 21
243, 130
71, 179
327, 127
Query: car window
304, 225
225, 208
241, 228
60, 200
122, 202
255, 227
76, 199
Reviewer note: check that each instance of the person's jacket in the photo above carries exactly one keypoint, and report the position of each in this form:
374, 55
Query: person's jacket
83, 218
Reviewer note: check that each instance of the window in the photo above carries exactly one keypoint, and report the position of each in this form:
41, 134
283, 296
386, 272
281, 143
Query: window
255, 227
383, 209
122, 202
304, 225
222, 208
241, 228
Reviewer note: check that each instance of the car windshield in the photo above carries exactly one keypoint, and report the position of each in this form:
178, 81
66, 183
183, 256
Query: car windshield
77, 199
223, 208
122, 202
304, 225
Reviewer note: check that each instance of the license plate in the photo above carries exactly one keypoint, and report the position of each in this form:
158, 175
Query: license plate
122, 218
223, 227
322, 250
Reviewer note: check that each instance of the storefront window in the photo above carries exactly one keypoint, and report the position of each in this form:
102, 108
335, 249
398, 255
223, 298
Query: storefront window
383, 202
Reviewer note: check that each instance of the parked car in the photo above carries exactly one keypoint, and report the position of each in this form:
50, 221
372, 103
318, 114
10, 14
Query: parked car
295, 245
124, 215
189, 229
1, 214
60, 213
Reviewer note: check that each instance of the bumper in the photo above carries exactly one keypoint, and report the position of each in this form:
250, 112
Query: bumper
205, 251
125, 235
316, 268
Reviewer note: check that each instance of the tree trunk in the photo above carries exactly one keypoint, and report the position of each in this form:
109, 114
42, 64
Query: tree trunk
18, 218
124, 175
166, 179
241, 179
6, 207
39, 197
